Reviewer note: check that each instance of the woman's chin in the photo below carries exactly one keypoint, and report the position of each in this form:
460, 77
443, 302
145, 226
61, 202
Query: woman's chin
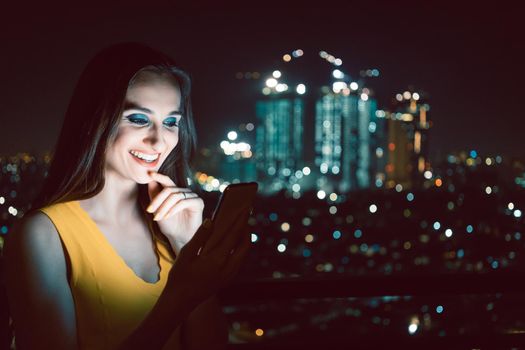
143, 180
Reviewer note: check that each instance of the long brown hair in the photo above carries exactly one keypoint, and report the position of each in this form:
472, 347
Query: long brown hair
91, 122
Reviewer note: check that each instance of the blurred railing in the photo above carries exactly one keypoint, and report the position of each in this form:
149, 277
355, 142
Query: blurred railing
251, 292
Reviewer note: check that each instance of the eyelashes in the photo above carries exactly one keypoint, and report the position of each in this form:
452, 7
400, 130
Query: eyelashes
143, 120
138, 119
171, 122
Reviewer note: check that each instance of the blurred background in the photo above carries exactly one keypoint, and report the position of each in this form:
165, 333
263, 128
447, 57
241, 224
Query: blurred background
385, 138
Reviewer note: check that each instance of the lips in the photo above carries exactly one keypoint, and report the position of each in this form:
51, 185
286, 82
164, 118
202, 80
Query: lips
146, 156
145, 159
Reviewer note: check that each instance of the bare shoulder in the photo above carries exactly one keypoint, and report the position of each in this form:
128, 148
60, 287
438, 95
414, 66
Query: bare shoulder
37, 221
34, 252
33, 236
38, 291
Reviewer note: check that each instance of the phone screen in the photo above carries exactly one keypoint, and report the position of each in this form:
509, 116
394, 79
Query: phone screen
235, 199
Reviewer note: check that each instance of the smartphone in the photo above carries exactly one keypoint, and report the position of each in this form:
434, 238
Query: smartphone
235, 199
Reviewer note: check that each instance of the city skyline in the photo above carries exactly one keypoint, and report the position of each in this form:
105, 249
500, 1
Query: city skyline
466, 59
464, 227
465, 218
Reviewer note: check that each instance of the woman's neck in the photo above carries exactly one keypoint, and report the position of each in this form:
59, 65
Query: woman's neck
116, 203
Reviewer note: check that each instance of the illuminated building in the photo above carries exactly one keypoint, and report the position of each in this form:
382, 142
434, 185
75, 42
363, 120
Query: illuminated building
279, 135
348, 133
238, 164
335, 129
408, 126
399, 165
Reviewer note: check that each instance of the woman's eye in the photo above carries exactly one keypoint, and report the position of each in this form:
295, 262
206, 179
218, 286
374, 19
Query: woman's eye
171, 122
138, 119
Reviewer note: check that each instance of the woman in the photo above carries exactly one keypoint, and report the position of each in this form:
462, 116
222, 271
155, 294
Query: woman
114, 254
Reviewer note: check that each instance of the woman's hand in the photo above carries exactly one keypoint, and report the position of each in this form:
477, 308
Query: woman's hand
177, 210
210, 260
206, 264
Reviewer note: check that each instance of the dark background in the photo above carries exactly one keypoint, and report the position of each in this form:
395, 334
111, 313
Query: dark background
468, 58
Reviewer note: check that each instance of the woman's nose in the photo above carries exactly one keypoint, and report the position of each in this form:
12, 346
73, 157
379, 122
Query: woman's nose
155, 138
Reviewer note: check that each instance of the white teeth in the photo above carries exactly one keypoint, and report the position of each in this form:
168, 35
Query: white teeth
146, 157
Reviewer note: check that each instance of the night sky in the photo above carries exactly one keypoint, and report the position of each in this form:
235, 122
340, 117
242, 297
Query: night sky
468, 60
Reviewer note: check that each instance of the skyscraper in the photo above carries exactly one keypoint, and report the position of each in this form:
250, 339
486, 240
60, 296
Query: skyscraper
408, 140
345, 138
279, 138
335, 131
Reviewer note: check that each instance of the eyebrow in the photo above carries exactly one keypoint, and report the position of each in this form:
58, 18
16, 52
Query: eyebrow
132, 105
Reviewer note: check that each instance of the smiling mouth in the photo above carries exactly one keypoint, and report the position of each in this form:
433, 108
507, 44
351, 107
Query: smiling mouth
144, 156
149, 159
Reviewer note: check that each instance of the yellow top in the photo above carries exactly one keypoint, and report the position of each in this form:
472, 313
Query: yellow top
110, 299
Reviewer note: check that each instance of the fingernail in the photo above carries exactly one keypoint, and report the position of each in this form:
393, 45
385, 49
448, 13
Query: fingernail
149, 209
156, 218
